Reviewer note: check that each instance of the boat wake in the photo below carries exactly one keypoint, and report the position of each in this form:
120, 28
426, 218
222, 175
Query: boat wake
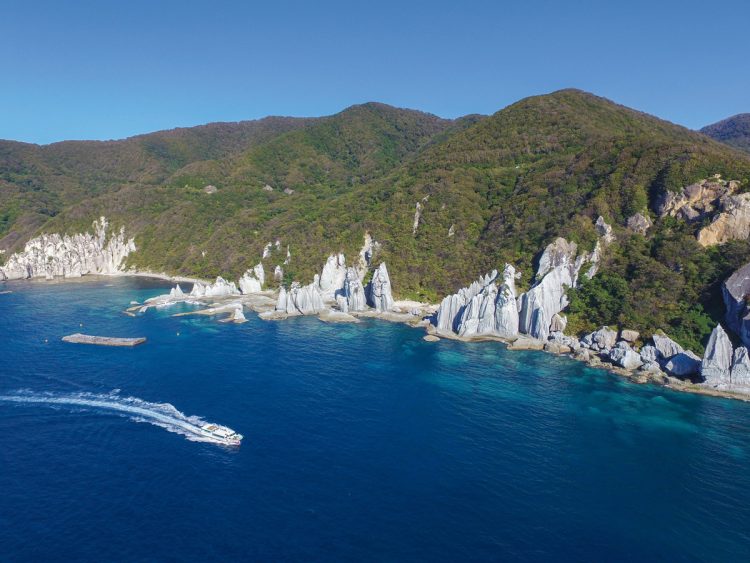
163, 415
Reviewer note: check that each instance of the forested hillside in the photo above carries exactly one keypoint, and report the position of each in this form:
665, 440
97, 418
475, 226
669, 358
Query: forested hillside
489, 190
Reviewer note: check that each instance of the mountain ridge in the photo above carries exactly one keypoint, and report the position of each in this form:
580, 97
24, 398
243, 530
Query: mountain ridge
482, 190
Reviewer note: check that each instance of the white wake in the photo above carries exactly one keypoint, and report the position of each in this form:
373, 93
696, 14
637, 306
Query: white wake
163, 415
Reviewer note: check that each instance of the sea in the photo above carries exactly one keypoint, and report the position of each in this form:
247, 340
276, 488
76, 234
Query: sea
362, 442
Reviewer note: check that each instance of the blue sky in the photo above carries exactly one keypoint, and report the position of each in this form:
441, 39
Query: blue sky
100, 70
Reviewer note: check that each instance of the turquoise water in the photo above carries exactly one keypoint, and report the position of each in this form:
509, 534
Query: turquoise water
363, 442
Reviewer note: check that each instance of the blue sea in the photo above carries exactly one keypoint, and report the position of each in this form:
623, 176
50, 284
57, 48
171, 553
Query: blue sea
362, 443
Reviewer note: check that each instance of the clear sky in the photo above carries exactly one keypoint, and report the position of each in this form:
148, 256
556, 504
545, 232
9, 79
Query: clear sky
71, 69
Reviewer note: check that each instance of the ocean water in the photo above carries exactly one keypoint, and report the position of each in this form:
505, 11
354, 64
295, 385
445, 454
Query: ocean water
362, 443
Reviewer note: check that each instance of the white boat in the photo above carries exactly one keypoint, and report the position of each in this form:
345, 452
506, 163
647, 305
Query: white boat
222, 434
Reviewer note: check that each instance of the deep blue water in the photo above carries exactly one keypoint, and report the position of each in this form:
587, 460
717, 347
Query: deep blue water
363, 443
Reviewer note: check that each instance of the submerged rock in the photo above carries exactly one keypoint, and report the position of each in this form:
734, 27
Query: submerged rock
717, 360
57, 255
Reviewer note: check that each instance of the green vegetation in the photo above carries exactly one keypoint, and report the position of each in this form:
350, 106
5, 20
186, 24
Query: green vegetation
734, 131
507, 184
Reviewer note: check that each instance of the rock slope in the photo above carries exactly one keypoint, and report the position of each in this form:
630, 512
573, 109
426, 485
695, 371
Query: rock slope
73, 256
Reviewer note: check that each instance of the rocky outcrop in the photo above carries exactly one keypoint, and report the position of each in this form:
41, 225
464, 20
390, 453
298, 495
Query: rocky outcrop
352, 297
333, 275
625, 357
558, 271
253, 280
220, 288
685, 364
602, 340
665, 346
735, 291
740, 370
482, 308
300, 300
604, 231
639, 223
57, 255
452, 307
717, 360
379, 290
732, 223
696, 200
278, 273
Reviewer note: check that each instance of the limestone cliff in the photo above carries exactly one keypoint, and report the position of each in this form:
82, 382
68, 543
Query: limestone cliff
54, 255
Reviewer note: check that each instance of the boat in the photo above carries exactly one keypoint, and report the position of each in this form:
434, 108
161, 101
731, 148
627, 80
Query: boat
221, 434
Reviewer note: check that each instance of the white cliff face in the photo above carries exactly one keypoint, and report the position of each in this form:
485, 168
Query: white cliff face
734, 290
478, 316
417, 217
70, 256
353, 296
740, 374
300, 300
278, 273
717, 359
506, 307
379, 294
252, 281
558, 271
452, 307
365, 255
220, 288
333, 275
482, 308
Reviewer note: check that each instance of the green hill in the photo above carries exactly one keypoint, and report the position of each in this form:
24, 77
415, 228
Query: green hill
734, 131
491, 189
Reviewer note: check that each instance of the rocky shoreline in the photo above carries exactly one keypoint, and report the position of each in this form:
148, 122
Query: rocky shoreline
490, 309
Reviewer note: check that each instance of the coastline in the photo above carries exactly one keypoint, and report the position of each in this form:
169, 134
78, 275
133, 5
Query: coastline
261, 304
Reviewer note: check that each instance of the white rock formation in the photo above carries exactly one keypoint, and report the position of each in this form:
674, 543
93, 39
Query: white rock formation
684, 364
452, 307
417, 217
238, 316
267, 250
604, 230
482, 308
379, 294
740, 374
333, 275
557, 272
300, 300
253, 280
717, 360
665, 346
602, 340
278, 273
54, 255
352, 297
626, 358
506, 306
220, 288
735, 290
365, 255
639, 223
